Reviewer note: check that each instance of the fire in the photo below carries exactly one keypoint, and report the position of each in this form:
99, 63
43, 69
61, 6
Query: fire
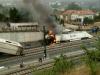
51, 37
50, 32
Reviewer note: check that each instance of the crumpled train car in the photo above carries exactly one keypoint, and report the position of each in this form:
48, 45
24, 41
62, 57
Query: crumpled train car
10, 47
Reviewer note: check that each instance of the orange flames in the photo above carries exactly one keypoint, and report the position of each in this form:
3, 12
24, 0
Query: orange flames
52, 36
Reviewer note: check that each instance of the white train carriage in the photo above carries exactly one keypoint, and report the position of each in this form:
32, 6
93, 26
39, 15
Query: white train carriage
72, 36
10, 47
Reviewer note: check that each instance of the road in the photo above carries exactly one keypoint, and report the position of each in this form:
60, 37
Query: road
51, 52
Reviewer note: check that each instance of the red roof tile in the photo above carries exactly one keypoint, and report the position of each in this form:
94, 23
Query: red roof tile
79, 12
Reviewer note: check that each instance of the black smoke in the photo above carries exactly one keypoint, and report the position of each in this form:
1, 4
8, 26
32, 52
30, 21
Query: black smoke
42, 14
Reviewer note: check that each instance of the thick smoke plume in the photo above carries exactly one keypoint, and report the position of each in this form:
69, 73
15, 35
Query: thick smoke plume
42, 14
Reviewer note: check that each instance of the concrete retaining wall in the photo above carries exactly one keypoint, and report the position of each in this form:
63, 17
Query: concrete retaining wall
22, 36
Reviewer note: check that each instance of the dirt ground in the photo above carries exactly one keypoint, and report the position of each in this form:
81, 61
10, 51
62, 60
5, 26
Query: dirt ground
85, 27
83, 70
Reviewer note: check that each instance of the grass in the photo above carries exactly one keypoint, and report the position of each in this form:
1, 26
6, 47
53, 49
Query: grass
44, 72
83, 70
80, 70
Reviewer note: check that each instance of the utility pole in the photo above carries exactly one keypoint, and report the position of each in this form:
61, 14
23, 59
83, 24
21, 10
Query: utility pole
45, 51
21, 56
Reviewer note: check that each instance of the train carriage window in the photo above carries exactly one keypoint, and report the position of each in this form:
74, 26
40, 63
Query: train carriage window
8, 41
66, 31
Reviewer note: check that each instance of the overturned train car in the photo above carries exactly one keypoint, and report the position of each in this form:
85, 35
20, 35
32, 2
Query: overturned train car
10, 47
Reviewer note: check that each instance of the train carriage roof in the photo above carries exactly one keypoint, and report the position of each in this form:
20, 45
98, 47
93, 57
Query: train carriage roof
10, 42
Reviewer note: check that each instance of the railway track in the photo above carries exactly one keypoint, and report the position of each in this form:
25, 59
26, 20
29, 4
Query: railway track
57, 46
29, 70
30, 53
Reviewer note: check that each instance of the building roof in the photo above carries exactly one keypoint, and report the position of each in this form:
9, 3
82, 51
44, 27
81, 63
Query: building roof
79, 12
10, 42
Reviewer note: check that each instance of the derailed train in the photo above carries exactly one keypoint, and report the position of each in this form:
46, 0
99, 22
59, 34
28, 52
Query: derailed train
10, 47
68, 35
15, 48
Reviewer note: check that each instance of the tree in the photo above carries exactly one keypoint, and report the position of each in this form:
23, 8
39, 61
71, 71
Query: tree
74, 6
97, 18
88, 21
14, 15
92, 57
89, 60
2, 17
97, 45
25, 15
61, 65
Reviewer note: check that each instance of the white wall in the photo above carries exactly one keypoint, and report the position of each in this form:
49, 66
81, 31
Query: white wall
89, 16
22, 36
75, 16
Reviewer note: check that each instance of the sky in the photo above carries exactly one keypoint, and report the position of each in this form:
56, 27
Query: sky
72, 0
20, 2
11, 2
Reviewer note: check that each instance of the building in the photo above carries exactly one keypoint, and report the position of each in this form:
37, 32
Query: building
3, 26
77, 16
24, 26
19, 26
